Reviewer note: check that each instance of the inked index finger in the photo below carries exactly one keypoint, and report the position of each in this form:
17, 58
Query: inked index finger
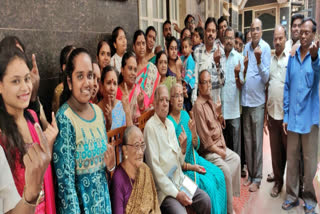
125, 88
182, 129
191, 115
43, 140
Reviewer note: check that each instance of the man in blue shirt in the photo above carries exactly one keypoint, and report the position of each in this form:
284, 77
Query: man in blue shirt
301, 116
257, 63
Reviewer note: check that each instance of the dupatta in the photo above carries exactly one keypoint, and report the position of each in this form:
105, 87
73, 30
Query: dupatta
48, 177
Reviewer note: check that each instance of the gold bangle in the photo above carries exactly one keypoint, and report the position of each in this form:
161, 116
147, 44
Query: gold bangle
38, 201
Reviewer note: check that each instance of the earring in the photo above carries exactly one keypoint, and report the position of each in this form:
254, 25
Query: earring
126, 157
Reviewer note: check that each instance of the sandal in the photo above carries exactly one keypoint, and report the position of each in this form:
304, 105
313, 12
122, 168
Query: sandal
309, 209
288, 205
276, 190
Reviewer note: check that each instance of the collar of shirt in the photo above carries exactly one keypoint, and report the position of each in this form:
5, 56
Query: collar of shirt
158, 120
284, 53
298, 54
232, 53
260, 43
201, 100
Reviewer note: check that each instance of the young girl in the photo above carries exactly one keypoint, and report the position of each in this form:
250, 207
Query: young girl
17, 132
103, 54
81, 146
119, 42
174, 62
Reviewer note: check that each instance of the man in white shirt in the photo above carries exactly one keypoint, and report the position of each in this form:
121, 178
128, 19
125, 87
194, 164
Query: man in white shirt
165, 158
295, 31
274, 108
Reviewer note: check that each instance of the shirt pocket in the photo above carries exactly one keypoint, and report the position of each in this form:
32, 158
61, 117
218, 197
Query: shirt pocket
214, 129
283, 73
309, 78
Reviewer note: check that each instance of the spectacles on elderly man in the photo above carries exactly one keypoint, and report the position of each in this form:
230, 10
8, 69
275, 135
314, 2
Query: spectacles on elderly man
137, 146
177, 96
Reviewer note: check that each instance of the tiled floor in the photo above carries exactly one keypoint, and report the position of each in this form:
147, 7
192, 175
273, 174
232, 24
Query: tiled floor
261, 202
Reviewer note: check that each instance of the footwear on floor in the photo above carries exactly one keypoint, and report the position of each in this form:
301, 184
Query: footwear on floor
276, 189
288, 205
254, 187
270, 177
308, 209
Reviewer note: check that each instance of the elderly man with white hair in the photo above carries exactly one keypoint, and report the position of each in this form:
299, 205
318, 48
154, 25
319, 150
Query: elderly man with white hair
165, 158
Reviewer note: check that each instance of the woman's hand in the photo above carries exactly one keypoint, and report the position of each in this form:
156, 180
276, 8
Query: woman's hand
183, 141
36, 162
140, 100
199, 169
192, 125
51, 131
109, 157
35, 78
125, 99
108, 114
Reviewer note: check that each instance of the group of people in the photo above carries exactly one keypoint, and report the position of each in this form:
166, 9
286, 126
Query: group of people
214, 91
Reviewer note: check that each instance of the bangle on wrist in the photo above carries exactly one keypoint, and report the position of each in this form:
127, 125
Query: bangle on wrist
37, 201
112, 169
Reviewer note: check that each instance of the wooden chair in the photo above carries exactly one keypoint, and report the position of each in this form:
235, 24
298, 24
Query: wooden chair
115, 137
142, 120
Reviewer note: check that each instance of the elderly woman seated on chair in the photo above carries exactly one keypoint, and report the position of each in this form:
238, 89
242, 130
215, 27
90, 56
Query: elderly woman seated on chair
132, 186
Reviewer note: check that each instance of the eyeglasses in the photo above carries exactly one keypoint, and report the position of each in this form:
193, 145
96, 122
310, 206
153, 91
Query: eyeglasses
255, 29
177, 96
228, 38
137, 146
191, 22
205, 82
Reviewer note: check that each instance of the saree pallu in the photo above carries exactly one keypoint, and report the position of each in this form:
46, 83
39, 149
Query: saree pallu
148, 78
143, 198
